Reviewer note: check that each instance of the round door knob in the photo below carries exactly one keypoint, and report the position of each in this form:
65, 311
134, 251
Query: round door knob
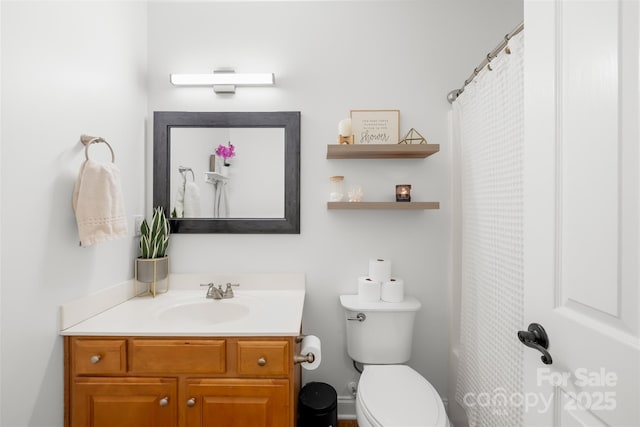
95, 358
191, 402
262, 361
164, 401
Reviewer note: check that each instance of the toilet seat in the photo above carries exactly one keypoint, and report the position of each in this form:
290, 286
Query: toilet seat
398, 396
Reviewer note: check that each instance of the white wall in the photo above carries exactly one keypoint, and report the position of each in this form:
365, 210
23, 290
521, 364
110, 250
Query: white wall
330, 57
0, 211
67, 68
74, 67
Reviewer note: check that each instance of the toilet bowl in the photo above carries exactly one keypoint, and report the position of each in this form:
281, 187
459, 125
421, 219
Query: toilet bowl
397, 396
390, 394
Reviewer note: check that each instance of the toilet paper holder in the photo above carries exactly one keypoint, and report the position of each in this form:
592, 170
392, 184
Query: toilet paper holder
303, 358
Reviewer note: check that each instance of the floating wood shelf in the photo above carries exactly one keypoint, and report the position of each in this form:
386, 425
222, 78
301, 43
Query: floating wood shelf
381, 151
384, 205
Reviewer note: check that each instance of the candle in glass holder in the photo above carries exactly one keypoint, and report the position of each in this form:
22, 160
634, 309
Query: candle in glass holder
335, 191
403, 193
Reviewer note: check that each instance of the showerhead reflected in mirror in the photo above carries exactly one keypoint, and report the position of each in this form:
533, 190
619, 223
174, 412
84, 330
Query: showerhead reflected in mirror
254, 190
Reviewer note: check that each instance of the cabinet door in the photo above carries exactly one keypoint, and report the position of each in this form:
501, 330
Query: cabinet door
110, 402
237, 403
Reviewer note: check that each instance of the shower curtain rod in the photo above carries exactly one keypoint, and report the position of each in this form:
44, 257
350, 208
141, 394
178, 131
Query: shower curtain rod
454, 94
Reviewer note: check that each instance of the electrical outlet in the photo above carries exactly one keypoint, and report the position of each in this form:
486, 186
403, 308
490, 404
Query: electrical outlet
137, 222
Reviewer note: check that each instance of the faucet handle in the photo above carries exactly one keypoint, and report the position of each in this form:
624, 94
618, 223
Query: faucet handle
228, 292
212, 292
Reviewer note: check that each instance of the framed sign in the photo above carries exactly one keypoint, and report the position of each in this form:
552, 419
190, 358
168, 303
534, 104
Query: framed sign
375, 126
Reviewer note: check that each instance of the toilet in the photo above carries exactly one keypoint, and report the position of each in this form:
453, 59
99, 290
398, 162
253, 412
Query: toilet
390, 394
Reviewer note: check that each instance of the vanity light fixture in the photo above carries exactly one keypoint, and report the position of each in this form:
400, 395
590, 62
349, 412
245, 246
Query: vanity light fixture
223, 81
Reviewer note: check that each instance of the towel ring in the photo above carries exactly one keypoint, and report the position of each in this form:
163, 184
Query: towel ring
88, 140
183, 170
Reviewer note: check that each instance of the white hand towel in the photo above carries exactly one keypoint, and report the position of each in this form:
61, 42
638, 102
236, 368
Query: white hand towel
224, 204
180, 199
220, 207
191, 200
98, 203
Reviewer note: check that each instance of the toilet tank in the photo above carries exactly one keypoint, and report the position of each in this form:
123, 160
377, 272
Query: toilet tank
385, 336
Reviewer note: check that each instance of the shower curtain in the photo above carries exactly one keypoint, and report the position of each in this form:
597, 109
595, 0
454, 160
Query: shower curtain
489, 133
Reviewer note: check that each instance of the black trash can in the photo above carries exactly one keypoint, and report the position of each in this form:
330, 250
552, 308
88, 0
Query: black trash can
317, 406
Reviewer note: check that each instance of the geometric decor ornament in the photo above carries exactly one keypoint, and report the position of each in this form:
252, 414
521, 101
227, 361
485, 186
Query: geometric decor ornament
412, 136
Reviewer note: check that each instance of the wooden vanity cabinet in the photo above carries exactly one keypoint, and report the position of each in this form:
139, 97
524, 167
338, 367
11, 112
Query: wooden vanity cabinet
113, 401
237, 402
182, 382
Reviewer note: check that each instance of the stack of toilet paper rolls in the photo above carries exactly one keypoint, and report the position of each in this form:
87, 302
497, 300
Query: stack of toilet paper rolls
379, 285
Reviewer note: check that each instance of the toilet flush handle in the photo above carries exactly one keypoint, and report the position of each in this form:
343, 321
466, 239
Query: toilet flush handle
360, 317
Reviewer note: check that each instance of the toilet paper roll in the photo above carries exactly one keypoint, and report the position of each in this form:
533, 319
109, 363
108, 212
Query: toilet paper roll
379, 270
368, 290
311, 344
392, 290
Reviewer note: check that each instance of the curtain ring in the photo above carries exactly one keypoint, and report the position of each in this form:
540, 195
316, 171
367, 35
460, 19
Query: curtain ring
489, 59
506, 40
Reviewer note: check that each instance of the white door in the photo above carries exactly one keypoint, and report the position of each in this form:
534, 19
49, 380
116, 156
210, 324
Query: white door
582, 192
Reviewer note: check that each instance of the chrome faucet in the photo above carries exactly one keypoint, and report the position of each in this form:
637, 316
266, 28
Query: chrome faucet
228, 292
213, 292
217, 292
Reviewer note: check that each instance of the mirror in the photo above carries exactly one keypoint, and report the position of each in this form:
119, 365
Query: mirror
259, 192
203, 187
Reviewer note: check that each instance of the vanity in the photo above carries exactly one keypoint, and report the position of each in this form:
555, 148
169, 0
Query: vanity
181, 359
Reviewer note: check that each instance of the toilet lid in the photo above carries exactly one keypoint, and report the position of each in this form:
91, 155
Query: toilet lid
396, 395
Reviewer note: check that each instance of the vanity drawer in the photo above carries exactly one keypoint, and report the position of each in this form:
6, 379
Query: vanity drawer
188, 356
102, 356
263, 358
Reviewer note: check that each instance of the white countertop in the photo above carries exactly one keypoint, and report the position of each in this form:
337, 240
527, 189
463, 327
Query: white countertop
262, 306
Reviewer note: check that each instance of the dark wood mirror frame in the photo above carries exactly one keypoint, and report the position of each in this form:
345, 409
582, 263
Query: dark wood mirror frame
163, 121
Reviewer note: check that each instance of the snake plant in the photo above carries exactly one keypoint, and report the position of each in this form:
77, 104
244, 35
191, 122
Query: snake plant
154, 239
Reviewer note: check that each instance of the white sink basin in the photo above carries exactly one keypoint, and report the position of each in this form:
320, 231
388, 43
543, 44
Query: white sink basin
204, 312
264, 305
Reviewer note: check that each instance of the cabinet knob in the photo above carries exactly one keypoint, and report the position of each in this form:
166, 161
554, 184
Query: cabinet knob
191, 402
164, 401
95, 358
262, 361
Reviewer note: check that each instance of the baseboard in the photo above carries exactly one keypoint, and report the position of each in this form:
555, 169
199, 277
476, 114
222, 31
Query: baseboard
346, 408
